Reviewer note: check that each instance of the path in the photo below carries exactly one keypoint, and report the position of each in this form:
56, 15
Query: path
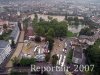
18, 49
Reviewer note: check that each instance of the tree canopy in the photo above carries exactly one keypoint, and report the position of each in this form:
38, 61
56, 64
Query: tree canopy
51, 28
86, 31
93, 56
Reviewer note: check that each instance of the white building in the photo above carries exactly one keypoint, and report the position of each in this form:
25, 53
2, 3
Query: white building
5, 50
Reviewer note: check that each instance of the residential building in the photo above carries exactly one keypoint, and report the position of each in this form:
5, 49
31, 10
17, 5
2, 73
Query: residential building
2, 22
1, 31
15, 33
77, 55
5, 50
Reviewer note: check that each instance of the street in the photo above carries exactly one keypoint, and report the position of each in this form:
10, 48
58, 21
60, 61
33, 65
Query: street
18, 49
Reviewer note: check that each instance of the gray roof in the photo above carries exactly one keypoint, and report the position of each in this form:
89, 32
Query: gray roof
14, 32
78, 52
1, 50
3, 43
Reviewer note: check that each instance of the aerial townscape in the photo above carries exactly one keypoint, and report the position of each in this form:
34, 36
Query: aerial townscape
49, 37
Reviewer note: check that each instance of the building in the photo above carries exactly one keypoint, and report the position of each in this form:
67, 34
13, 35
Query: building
15, 33
5, 50
1, 31
29, 32
12, 25
90, 40
2, 22
77, 55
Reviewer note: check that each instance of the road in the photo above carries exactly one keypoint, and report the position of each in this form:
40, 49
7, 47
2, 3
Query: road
18, 49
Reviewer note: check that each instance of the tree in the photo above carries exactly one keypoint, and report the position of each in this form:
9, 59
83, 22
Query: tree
92, 54
86, 31
12, 43
36, 16
51, 41
50, 32
54, 59
69, 57
27, 61
52, 28
25, 23
76, 19
40, 31
35, 20
70, 19
50, 46
1, 37
41, 19
37, 39
5, 27
66, 16
47, 57
50, 18
61, 31
15, 61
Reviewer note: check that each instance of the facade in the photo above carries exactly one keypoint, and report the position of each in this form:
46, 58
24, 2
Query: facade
29, 33
1, 31
5, 50
2, 22
15, 33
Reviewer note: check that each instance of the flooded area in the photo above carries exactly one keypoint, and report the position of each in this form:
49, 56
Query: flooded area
72, 28
75, 29
45, 17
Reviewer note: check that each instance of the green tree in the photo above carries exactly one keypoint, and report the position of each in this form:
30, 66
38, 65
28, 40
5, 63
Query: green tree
50, 18
86, 31
5, 27
35, 20
61, 31
27, 61
69, 57
40, 31
52, 28
50, 39
93, 56
41, 19
26, 23
50, 32
47, 57
50, 42
66, 16
15, 61
70, 19
37, 39
13, 43
1, 37
54, 59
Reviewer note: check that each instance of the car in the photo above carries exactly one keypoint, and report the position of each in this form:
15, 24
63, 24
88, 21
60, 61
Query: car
40, 57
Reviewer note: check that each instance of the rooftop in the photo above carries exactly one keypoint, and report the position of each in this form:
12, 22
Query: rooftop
14, 32
3, 43
78, 52
1, 50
